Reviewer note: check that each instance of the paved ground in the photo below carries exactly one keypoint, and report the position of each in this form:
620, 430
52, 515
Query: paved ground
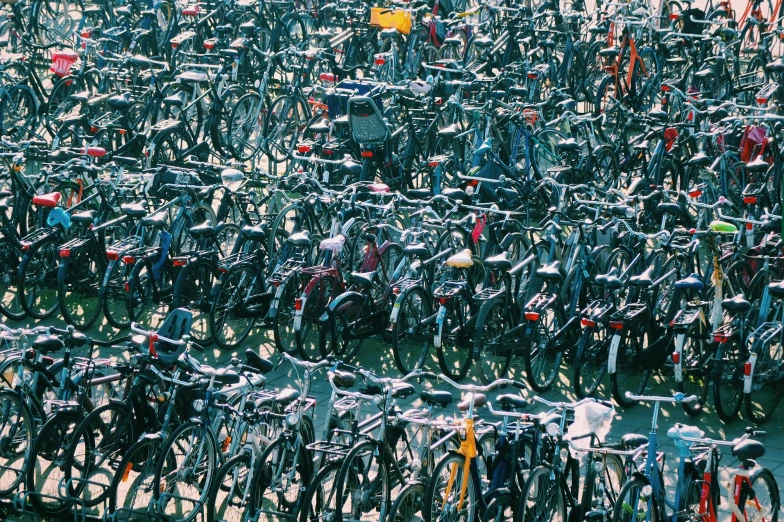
377, 356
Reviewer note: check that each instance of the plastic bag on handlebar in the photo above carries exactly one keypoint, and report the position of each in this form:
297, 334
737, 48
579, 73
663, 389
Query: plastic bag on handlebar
689, 27
167, 176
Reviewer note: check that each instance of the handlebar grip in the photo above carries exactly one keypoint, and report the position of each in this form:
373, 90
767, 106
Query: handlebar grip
760, 433
430, 375
519, 385
604, 402
345, 366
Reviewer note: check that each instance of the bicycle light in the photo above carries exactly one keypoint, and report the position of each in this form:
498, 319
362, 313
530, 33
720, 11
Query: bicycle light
461, 432
597, 466
378, 400
292, 419
647, 490
198, 405
553, 429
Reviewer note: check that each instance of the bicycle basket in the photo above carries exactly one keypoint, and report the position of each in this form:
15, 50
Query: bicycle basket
366, 121
390, 19
337, 99
62, 61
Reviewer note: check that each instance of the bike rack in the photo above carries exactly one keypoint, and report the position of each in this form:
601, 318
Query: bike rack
766, 332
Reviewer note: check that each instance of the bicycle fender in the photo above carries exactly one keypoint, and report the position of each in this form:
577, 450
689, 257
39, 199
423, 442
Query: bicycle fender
578, 358
399, 301
152, 436
342, 297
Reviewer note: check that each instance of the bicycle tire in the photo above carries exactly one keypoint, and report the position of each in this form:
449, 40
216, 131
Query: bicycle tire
591, 364
131, 488
17, 428
364, 482
407, 503
110, 431
224, 496
235, 285
696, 380
769, 508
78, 282
283, 321
320, 502
38, 280
331, 340
286, 480
766, 389
535, 361
728, 380
634, 377
436, 500
45, 474
114, 307
633, 489
192, 290
492, 357
413, 306
169, 465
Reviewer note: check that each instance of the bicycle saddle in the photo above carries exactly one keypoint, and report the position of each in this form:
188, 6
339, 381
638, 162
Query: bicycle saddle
643, 279
87, 216
484, 41
135, 210
551, 271
436, 397
80, 97
286, 397
450, 131
156, 221
205, 229
351, 168
632, 441
506, 193
456, 194
461, 260
736, 304
609, 280
700, 160
300, 239
322, 127
175, 100
748, 450
568, 144
771, 225
223, 375
335, 244
124, 11
47, 200
776, 66
480, 399
672, 209
500, 262
610, 52
417, 250
363, 279
255, 360
389, 33
510, 401
757, 165
343, 379
693, 282
254, 232
48, 343
777, 288
420, 193
119, 101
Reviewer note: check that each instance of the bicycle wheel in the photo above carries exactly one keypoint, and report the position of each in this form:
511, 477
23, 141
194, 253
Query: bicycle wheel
45, 473
607, 100
246, 126
410, 340
95, 451
443, 494
320, 502
221, 114
132, 485
10, 305
492, 352
114, 307
284, 474
18, 112
17, 431
591, 365
766, 386
185, 471
363, 484
229, 326
282, 127
38, 280
455, 351
728, 380
333, 338
766, 504
283, 322
695, 381
407, 506
169, 146
542, 359
634, 505
308, 334
77, 289
630, 374
234, 492
500, 507
192, 290
146, 297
